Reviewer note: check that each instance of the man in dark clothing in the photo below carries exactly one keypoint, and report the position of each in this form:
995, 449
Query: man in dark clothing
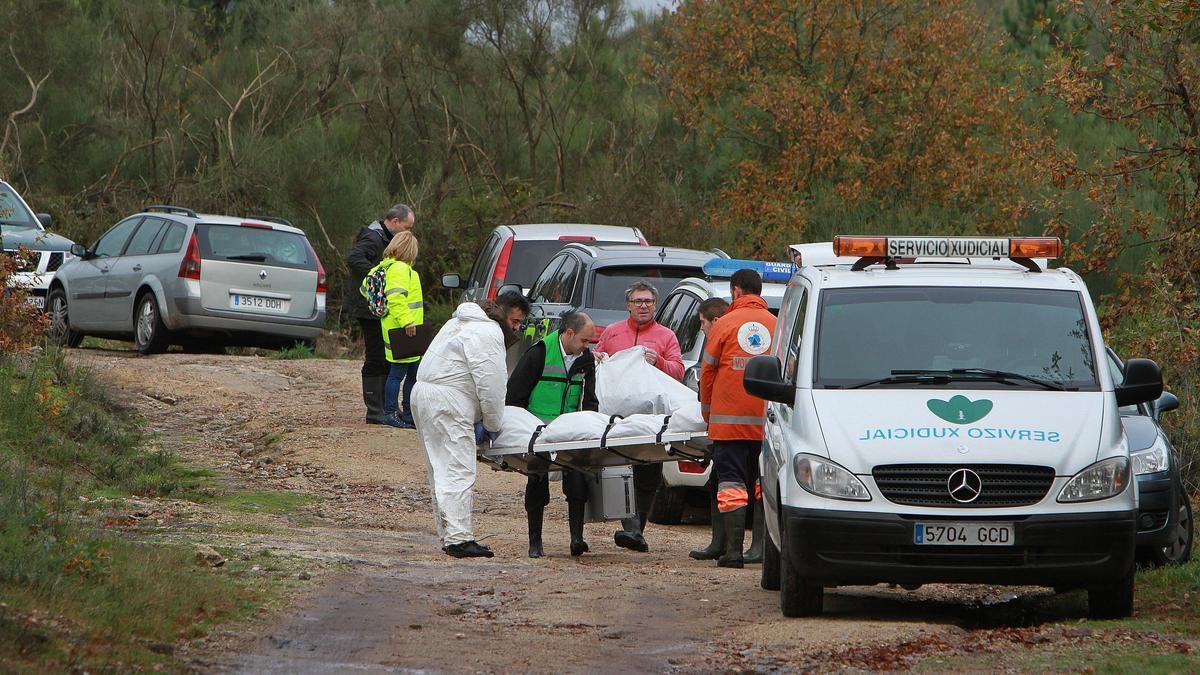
557, 375
366, 253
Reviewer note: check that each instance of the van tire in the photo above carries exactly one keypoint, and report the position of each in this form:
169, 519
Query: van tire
669, 503
770, 565
797, 595
1114, 601
150, 334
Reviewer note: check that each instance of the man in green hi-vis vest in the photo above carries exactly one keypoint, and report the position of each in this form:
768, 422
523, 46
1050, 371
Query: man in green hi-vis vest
557, 375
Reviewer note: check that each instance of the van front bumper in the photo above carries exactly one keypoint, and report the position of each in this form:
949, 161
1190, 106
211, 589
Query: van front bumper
1062, 550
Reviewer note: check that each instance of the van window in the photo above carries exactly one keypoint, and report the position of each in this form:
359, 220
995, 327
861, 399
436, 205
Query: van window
483, 264
685, 321
543, 288
791, 364
865, 334
172, 239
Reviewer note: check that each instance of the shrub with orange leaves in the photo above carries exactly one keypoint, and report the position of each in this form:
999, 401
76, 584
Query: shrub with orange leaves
21, 324
880, 106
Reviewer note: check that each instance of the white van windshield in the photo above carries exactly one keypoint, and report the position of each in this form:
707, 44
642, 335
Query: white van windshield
953, 337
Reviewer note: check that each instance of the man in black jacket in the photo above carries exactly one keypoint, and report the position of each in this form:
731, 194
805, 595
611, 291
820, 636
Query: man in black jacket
366, 253
557, 375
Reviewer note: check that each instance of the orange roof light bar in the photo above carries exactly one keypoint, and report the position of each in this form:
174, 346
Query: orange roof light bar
861, 247
1035, 247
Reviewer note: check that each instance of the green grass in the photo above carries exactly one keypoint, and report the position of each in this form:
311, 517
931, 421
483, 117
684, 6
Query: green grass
275, 503
1096, 655
295, 352
77, 595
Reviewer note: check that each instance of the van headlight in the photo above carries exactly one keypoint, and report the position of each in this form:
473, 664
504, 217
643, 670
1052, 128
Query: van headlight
827, 479
1153, 459
1104, 479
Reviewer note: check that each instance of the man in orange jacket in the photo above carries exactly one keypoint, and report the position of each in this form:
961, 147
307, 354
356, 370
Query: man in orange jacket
735, 418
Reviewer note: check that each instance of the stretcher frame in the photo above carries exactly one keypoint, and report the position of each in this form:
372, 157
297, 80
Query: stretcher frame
594, 454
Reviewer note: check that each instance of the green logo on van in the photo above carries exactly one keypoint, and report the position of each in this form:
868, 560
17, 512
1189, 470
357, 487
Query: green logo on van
960, 409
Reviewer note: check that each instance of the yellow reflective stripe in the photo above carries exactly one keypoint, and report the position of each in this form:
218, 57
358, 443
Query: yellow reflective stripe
735, 419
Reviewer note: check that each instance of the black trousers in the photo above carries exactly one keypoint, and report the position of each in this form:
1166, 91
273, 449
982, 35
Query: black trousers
537, 489
375, 363
735, 465
646, 479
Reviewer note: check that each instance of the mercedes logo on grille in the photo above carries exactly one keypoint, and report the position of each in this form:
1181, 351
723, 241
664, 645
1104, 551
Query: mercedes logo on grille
964, 486
262, 274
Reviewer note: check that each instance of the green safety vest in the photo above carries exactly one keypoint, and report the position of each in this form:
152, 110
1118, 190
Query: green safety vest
554, 394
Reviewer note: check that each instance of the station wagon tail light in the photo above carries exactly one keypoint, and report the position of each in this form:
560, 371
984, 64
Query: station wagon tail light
190, 267
501, 269
261, 226
576, 237
320, 268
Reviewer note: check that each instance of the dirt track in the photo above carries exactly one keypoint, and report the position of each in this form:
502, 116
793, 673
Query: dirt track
389, 600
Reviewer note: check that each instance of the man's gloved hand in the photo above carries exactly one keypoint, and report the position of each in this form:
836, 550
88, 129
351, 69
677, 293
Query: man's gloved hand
480, 433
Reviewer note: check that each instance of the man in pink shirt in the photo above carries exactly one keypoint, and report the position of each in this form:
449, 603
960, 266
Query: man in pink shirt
662, 352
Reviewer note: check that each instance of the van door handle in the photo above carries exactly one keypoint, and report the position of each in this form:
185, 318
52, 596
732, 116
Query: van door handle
772, 417
137, 268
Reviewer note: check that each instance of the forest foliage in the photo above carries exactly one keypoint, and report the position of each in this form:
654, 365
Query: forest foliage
741, 124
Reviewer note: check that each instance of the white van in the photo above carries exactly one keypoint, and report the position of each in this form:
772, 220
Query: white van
941, 410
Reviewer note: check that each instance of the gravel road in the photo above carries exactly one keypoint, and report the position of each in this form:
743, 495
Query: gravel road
396, 603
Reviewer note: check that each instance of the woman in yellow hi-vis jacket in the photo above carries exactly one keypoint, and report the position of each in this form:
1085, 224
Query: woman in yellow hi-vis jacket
402, 288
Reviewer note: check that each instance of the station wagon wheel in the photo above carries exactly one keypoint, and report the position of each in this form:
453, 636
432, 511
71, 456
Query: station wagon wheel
1179, 550
149, 333
59, 330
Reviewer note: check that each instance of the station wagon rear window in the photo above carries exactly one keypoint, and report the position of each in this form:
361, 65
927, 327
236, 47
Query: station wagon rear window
533, 255
864, 334
608, 288
254, 245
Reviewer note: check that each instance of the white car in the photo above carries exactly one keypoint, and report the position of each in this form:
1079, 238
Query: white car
941, 410
680, 312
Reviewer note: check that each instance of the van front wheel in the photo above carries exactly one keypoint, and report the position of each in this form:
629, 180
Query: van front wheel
797, 596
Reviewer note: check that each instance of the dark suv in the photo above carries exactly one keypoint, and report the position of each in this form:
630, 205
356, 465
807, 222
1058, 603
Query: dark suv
593, 279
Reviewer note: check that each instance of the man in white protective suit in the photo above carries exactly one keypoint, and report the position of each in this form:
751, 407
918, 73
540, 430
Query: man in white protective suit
463, 381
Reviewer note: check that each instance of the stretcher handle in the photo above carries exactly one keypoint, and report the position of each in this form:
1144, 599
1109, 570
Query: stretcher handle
663, 430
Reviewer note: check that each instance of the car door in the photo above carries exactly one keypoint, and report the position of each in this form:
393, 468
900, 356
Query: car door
481, 271
89, 278
781, 436
128, 270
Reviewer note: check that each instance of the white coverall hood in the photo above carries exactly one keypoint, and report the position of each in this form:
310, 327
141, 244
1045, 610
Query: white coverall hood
461, 380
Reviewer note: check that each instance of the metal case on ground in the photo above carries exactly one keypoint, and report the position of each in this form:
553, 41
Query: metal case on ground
611, 496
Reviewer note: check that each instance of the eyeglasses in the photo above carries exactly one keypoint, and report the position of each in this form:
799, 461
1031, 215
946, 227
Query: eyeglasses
642, 302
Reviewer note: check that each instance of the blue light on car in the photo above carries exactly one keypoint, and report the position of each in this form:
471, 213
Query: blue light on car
771, 272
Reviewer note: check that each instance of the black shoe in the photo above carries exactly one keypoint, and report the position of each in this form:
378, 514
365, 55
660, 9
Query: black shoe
534, 520
633, 541
717, 546
576, 510
468, 549
578, 547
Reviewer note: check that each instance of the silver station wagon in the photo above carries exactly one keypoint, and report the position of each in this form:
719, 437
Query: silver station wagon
169, 275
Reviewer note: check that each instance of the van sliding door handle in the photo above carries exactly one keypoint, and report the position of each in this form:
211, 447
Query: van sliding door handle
137, 268
772, 417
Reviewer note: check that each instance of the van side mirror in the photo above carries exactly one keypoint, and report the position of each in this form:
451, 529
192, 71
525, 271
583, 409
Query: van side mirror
79, 251
511, 288
764, 378
1142, 383
45, 219
451, 281
1165, 403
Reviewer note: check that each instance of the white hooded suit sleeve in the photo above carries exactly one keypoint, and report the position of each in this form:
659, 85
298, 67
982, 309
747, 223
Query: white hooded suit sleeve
487, 365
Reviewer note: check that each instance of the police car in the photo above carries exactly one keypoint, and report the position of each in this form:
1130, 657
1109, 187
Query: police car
941, 410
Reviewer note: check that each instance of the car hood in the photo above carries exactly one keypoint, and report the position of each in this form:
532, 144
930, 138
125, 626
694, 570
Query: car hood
863, 429
34, 240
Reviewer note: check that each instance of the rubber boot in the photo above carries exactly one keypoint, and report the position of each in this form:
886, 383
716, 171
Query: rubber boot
717, 546
575, 522
754, 554
630, 535
372, 388
535, 532
735, 537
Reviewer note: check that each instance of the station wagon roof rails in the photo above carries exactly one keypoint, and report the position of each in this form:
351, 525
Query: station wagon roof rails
164, 208
892, 252
273, 219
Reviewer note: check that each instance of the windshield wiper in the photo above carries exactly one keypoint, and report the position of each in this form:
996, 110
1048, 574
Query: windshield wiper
256, 257
988, 374
905, 377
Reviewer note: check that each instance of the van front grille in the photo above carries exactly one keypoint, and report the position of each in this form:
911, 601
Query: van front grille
1001, 485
